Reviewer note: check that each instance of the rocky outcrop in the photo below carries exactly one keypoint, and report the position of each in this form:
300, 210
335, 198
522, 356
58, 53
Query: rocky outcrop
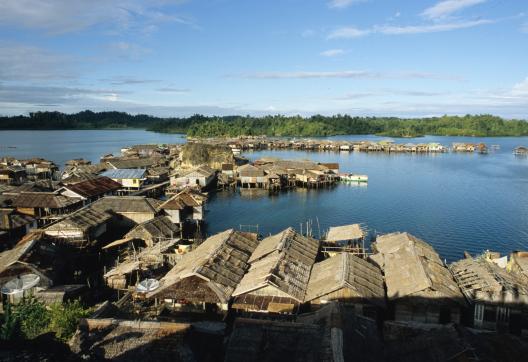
195, 154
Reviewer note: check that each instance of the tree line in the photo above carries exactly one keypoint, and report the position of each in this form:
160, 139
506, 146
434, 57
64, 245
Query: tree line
274, 125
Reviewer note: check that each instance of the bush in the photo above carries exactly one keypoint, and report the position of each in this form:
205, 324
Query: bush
31, 318
65, 318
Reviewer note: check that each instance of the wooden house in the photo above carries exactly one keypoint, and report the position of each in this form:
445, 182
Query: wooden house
228, 169
278, 277
81, 228
15, 225
45, 206
158, 174
251, 176
332, 167
131, 210
134, 264
348, 279
419, 287
187, 205
202, 176
132, 179
205, 278
520, 151
154, 230
40, 168
12, 175
498, 299
346, 238
30, 256
131, 163
92, 189
61, 293
519, 263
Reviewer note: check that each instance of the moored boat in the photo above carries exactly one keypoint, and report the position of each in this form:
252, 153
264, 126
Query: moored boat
350, 177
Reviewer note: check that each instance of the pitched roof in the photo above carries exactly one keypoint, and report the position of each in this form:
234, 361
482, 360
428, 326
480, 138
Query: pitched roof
9, 257
283, 260
131, 163
83, 219
200, 171
221, 260
346, 271
185, 198
345, 232
120, 174
158, 227
413, 268
481, 280
43, 200
125, 204
94, 187
249, 170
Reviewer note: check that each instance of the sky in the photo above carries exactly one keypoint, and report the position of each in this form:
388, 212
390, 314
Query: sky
220, 57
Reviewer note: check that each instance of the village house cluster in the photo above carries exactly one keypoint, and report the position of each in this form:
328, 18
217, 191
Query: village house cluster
241, 144
126, 235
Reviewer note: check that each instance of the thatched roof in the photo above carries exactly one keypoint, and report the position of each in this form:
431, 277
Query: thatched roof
283, 261
484, 281
82, 220
132, 163
124, 340
413, 268
200, 171
346, 271
43, 200
160, 227
345, 232
221, 260
127, 204
94, 187
249, 170
9, 257
74, 177
185, 198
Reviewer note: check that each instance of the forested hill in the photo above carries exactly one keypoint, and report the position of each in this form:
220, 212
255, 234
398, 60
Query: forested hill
202, 126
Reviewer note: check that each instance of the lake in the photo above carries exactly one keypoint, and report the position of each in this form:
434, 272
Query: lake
454, 201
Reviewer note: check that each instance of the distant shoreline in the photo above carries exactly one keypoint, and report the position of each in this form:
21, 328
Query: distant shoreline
200, 126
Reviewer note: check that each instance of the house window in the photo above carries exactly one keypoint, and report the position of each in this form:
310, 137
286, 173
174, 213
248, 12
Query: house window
135, 181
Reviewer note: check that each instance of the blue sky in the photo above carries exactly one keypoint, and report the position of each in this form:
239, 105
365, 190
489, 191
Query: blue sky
177, 57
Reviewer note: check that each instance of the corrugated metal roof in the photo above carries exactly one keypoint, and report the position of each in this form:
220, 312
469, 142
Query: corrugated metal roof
126, 173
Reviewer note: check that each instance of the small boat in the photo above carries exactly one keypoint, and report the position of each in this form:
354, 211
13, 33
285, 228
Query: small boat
350, 177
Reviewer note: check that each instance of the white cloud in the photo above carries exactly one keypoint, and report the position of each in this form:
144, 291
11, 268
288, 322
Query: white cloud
23, 63
357, 74
64, 16
332, 53
348, 33
352, 32
127, 50
445, 8
340, 4
173, 90
524, 28
433, 28
520, 89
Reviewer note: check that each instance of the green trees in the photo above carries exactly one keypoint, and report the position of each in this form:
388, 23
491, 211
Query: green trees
275, 125
31, 318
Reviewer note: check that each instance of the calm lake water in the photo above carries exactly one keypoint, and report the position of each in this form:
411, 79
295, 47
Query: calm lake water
456, 202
